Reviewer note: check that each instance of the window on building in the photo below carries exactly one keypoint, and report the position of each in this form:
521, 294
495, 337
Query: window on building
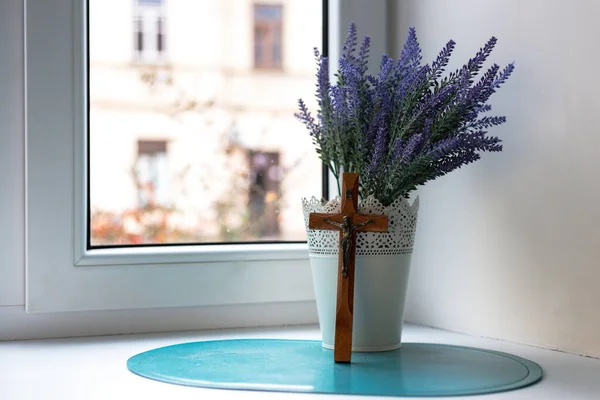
267, 36
160, 35
149, 31
264, 193
151, 174
139, 37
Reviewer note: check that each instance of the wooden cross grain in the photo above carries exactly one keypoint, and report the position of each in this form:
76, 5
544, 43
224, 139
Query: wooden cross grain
347, 222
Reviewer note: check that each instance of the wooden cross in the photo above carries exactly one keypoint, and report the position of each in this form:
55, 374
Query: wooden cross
347, 222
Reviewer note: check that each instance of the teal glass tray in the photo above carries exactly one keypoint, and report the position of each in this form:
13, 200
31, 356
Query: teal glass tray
416, 369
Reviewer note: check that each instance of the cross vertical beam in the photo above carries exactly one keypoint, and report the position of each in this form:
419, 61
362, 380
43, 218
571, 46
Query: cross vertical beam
347, 222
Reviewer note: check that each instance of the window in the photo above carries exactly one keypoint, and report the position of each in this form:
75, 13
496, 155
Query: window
64, 273
149, 30
148, 222
267, 36
139, 37
151, 174
264, 193
216, 109
160, 35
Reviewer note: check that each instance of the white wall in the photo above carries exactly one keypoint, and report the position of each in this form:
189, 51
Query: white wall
510, 247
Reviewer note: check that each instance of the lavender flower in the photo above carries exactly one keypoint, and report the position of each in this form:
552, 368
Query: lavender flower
504, 75
443, 148
449, 164
323, 85
398, 149
437, 67
407, 124
350, 43
410, 57
486, 122
383, 98
475, 64
415, 144
363, 55
380, 149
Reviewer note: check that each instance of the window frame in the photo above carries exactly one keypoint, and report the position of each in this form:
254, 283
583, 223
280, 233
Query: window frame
56, 217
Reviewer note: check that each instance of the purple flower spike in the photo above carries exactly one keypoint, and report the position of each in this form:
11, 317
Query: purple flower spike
443, 148
407, 124
506, 72
381, 148
350, 43
437, 67
363, 55
416, 143
410, 57
475, 64
305, 116
323, 85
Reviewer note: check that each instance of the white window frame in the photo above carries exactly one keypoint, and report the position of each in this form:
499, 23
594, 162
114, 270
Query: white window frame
61, 274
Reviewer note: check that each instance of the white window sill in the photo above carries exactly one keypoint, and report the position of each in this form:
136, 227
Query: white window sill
94, 368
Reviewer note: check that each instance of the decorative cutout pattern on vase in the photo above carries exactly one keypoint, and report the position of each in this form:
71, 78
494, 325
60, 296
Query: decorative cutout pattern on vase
402, 224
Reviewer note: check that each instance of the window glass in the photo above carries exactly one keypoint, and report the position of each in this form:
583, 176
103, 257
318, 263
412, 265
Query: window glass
200, 145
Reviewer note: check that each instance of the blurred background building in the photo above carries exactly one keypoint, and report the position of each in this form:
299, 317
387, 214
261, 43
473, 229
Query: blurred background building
192, 132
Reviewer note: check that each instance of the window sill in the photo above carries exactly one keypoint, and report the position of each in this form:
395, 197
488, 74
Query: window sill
205, 253
94, 368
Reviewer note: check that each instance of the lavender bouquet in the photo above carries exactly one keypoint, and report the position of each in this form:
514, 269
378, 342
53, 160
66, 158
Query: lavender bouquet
407, 125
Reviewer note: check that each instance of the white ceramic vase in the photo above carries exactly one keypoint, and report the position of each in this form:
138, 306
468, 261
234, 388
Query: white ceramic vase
381, 275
